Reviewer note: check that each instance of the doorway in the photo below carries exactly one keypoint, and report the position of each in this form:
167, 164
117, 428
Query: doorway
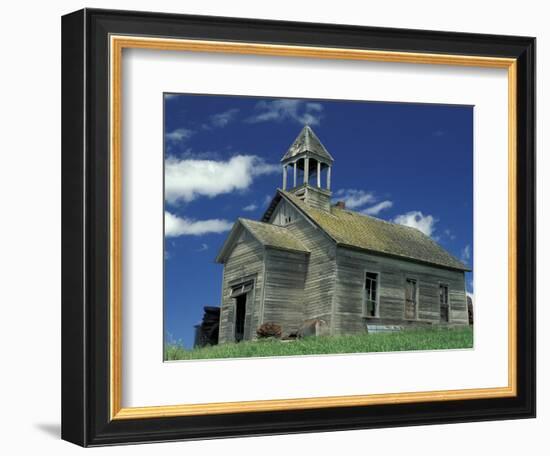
240, 314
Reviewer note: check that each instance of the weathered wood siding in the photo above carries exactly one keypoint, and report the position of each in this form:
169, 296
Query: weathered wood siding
329, 283
351, 266
318, 198
245, 261
319, 280
284, 214
284, 289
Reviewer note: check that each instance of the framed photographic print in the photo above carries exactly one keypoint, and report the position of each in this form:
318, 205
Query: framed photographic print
275, 227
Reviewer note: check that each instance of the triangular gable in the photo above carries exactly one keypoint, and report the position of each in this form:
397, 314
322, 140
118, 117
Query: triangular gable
271, 236
230, 242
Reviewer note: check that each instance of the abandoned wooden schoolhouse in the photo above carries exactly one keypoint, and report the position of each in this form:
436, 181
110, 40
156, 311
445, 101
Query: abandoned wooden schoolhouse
310, 260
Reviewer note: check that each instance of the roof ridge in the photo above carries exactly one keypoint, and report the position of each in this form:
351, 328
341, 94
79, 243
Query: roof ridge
354, 229
372, 217
259, 222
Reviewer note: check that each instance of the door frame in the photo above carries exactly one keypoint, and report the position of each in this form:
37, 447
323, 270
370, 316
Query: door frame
250, 298
236, 314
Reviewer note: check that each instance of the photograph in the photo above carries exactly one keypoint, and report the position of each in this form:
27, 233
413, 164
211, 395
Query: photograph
300, 227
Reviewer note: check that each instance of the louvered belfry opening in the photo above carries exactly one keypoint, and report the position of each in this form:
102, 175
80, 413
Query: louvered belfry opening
307, 169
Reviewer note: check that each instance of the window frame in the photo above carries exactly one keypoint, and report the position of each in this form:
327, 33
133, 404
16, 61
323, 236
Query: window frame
445, 284
364, 312
417, 298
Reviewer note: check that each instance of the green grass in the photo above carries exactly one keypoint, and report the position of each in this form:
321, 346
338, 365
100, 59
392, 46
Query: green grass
431, 339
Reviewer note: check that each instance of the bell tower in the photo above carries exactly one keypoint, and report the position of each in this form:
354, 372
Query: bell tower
307, 169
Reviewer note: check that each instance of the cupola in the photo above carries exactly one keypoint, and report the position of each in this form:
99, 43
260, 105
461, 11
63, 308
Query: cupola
307, 168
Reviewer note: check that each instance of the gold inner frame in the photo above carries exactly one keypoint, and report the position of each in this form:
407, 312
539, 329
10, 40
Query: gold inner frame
117, 44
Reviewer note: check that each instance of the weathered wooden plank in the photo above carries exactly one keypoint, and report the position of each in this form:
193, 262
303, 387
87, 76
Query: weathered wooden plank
244, 262
319, 282
284, 289
349, 290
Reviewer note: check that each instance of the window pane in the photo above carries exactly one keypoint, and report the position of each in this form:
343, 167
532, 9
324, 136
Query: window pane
369, 288
371, 293
371, 308
443, 294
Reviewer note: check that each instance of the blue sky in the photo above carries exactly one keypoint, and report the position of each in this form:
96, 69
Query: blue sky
407, 163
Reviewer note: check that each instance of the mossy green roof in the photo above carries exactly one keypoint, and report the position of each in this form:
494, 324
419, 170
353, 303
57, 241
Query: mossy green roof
273, 236
349, 228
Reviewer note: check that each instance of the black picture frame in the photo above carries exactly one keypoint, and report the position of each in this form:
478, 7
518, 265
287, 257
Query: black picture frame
85, 228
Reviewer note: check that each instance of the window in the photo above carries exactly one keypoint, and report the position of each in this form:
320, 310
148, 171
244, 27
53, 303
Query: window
370, 307
444, 303
241, 288
411, 299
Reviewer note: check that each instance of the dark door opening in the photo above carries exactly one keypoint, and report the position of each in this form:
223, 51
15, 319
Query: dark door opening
240, 313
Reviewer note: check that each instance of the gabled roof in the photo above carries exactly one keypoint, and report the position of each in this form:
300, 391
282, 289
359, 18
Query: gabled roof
272, 236
351, 229
307, 141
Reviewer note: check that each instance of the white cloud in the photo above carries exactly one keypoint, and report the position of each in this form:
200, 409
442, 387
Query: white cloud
449, 234
203, 247
466, 254
267, 200
355, 198
170, 96
314, 106
181, 226
223, 118
251, 207
295, 110
416, 219
189, 153
178, 135
188, 179
377, 208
